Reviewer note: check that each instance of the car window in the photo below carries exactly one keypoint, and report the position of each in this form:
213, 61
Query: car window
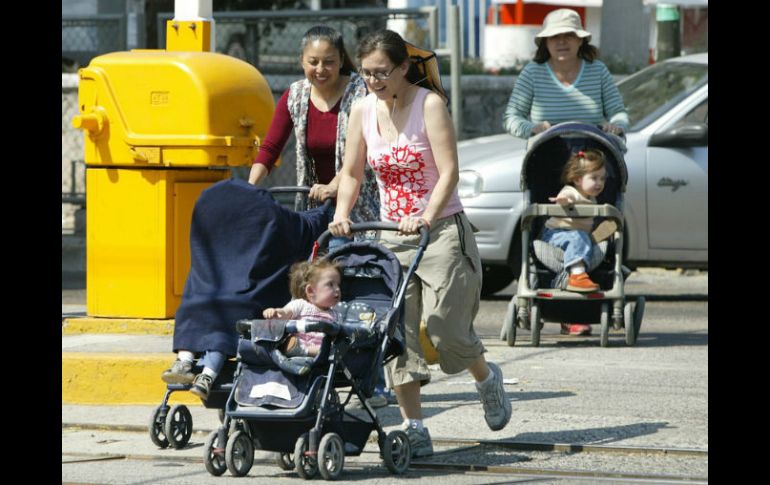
654, 90
698, 115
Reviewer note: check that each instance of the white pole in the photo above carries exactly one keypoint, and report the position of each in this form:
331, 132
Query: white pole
197, 10
482, 25
472, 29
453, 41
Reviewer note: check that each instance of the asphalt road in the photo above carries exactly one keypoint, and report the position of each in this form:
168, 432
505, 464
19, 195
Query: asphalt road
568, 390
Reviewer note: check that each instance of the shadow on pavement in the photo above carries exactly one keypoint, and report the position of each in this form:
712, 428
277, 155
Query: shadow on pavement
594, 436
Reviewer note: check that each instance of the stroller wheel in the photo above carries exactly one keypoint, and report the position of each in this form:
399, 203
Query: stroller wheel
628, 323
534, 324
509, 323
239, 453
306, 466
605, 322
178, 426
284, 461
331, 456
157, 436
397, 452
214, 454
638, 315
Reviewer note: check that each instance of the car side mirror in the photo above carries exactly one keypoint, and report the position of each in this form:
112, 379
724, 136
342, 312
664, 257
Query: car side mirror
684, 136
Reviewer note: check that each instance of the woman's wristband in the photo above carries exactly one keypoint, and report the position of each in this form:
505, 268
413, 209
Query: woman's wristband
425, 221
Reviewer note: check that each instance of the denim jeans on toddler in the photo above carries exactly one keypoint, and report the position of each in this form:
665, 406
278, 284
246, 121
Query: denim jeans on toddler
577, 245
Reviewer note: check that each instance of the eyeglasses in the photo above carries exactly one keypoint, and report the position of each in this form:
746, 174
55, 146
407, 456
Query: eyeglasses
380, 76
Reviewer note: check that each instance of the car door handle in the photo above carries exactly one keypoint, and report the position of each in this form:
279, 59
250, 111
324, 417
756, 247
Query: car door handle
674, 184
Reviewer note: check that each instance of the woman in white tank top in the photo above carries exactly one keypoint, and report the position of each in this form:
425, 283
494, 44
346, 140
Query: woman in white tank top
404, 132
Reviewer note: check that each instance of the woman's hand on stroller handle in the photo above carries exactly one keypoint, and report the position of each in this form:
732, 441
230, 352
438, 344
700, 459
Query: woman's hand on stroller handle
340, 227
323, 192
412, 225
345, 227
292, 189
612, 129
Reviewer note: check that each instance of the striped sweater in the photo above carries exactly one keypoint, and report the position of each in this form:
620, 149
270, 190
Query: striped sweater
538, 96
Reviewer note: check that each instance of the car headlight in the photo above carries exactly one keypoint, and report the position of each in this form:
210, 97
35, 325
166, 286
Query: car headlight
470, 185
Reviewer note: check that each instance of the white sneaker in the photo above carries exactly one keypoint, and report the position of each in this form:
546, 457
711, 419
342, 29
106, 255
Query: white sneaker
497, 407
420, 441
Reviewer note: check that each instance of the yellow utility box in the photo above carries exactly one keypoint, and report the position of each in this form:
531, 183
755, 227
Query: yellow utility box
160, 128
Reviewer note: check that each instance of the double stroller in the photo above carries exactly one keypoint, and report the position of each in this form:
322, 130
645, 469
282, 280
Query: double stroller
541, 294
290, 405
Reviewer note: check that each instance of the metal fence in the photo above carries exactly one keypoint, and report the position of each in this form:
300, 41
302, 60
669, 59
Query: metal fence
269, 40
85, 37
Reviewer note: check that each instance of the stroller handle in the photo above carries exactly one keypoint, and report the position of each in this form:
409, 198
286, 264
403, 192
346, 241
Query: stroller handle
377, 226
296, 189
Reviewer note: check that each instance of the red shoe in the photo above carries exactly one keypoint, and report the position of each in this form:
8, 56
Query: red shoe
575, 329
581, 283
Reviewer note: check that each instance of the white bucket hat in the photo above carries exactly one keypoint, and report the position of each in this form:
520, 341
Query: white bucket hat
562, 21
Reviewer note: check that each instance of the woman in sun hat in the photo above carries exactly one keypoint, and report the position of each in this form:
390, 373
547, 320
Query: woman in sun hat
564, 83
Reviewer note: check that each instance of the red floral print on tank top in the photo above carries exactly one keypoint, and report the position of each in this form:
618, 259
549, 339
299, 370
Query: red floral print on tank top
402, 175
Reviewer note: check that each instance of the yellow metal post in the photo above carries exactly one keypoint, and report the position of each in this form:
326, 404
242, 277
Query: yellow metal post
188, 35
160, 128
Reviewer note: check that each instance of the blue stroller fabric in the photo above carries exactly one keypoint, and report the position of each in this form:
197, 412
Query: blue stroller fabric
242, 243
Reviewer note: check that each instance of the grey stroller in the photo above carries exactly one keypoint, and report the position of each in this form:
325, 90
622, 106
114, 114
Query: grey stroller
540, 294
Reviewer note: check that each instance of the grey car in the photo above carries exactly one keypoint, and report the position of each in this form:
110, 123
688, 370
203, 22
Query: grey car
666, 199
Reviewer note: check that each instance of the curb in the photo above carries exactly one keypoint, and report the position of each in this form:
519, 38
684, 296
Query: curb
133, 326
117, 378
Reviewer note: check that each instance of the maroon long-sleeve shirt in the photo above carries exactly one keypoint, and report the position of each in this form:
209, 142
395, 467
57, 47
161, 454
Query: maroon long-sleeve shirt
321, 137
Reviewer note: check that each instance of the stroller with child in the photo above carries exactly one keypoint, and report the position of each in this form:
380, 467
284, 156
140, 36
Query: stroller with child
242, 243
540, 294
290, 405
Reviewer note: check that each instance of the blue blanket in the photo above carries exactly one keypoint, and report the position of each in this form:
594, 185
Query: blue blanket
242, 243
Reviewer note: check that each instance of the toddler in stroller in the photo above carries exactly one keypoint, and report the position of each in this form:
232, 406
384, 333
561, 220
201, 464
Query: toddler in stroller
584, 176
315, 287
547, 287
290, 405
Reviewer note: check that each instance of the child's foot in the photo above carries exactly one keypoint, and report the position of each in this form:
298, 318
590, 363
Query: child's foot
603, 231
581, 283
201, 386
180, 372
575, 329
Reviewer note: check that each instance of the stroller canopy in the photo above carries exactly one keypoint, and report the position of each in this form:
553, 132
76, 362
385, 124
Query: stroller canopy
545, 159
242, 243
369, 271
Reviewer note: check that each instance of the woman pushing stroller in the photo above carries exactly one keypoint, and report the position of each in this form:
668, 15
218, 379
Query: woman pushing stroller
403, 131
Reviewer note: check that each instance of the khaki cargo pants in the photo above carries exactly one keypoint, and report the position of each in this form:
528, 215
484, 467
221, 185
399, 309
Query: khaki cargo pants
445, 293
